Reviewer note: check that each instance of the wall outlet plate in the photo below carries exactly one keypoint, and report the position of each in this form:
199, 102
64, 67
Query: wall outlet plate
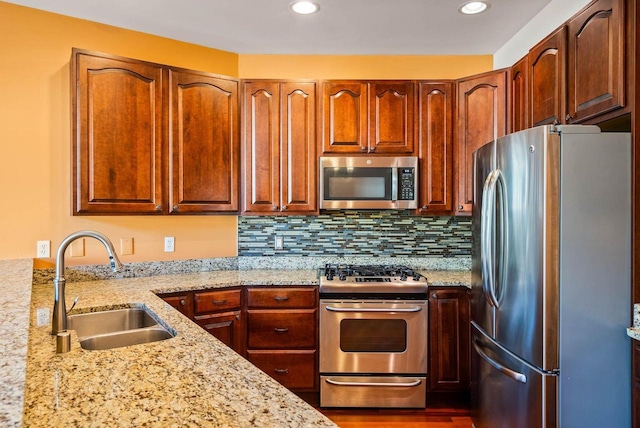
43, 249
169, 244
278, 243
126, 246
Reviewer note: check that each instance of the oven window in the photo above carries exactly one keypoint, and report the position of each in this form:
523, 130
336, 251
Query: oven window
373, 335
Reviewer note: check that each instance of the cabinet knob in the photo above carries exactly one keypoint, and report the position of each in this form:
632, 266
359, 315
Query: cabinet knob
175, 208
158, 208
372, 149
275, 208
569, 118
363, 149
434, 295
284, 208
182, 302
238, 317
461, 207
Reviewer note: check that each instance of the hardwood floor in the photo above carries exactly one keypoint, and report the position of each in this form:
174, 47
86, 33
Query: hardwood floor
447, 414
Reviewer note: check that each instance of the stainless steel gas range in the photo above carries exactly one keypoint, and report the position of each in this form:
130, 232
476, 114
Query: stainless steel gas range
373, 336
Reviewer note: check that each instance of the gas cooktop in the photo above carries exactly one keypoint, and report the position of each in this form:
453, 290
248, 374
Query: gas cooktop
385, 280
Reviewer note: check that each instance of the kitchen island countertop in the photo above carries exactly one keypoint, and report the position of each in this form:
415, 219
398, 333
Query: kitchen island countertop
189, 380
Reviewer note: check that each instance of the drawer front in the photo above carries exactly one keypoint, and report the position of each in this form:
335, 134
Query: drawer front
293, 329
293, 369
285, 297
214, 301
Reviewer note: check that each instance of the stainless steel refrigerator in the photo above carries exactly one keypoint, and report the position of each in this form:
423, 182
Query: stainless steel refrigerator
551, 280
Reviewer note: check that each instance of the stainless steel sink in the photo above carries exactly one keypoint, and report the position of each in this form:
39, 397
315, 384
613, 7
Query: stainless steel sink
117, 328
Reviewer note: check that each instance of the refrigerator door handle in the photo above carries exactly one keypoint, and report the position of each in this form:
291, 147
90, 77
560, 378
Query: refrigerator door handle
487, 237
502, 369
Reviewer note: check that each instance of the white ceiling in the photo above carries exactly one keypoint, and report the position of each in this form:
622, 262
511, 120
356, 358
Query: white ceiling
367, 27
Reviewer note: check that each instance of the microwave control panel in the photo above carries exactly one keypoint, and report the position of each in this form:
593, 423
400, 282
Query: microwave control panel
406, 187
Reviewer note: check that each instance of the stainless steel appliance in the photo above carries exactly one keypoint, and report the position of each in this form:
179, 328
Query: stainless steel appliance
373, 336
371, 182
551, 280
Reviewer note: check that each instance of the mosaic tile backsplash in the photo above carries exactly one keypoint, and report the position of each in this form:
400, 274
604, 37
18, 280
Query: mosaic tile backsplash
356, 233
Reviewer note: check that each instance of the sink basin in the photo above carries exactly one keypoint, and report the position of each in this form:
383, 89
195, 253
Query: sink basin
117, 328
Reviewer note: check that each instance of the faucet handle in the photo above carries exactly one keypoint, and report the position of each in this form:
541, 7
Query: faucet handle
74, 304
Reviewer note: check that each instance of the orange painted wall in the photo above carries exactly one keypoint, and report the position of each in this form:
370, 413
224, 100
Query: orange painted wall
35, 140
362, 66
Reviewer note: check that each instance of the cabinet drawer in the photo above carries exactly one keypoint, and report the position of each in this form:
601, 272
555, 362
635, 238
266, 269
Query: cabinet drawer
299, 297
214, 301
291, 329
293, 369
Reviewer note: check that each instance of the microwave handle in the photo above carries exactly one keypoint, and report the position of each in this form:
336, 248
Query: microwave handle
394, 184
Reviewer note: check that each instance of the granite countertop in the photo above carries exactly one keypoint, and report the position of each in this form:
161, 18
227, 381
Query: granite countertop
190, 380
634, 331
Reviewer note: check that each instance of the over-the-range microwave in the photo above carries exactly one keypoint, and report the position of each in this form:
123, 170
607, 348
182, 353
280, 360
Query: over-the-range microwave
369, 182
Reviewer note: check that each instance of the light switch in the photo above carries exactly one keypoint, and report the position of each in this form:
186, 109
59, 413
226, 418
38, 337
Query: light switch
126, 246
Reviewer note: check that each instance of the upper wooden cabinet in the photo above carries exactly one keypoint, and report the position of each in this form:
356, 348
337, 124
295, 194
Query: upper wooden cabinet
118, 129
125, 159
204, 149
481, 118
368, 117
596, 59
279, 148
519, 100
435, 138
547, 79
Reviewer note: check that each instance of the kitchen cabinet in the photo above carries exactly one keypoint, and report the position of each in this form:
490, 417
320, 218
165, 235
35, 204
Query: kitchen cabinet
204, 146
519, 95
547, 70
282, 334
449, 346
117, 127
596, 60
435, 141
220, 313
151, 139
481, 117
279, 149
635, 360
368, 117
182, 302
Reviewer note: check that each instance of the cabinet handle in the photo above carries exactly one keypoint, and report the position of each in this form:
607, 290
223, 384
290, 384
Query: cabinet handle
281, 330
219, 302
281, 298
281, 371
182, 302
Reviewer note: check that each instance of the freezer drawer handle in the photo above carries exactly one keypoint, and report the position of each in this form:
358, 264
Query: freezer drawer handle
411, 309
511, 373
384, 384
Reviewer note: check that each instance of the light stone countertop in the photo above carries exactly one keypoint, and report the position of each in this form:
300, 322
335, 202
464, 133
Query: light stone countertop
189, 380
634, 331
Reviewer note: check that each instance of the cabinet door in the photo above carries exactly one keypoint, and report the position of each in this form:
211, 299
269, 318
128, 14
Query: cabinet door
391, 121
344, 117
118, 132
435, 136
204, 147
520, 95
547, 79
482, 112
182, 302
596, 60
449, 345
224, 326
298, 147
261, 148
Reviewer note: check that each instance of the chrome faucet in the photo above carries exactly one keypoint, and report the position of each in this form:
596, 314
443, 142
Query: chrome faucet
59, 322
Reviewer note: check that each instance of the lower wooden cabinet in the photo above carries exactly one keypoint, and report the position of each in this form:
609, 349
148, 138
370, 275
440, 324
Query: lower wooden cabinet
282, 334
449, 343
635, 361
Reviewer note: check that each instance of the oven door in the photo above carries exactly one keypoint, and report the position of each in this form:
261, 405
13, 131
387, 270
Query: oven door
373, 337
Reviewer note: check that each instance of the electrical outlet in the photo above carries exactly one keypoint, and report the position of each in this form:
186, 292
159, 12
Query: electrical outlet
278, 243
169, 244
44, 249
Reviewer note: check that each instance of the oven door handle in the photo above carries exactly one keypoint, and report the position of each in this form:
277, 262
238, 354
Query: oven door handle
410, 309
384, 384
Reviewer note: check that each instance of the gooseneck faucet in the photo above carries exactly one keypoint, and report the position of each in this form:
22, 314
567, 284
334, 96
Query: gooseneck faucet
59, 322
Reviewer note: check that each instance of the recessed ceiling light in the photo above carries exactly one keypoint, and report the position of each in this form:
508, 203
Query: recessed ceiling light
304, 7
473, 7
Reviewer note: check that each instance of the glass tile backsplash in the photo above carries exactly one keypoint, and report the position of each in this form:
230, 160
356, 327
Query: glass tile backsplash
356, 233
